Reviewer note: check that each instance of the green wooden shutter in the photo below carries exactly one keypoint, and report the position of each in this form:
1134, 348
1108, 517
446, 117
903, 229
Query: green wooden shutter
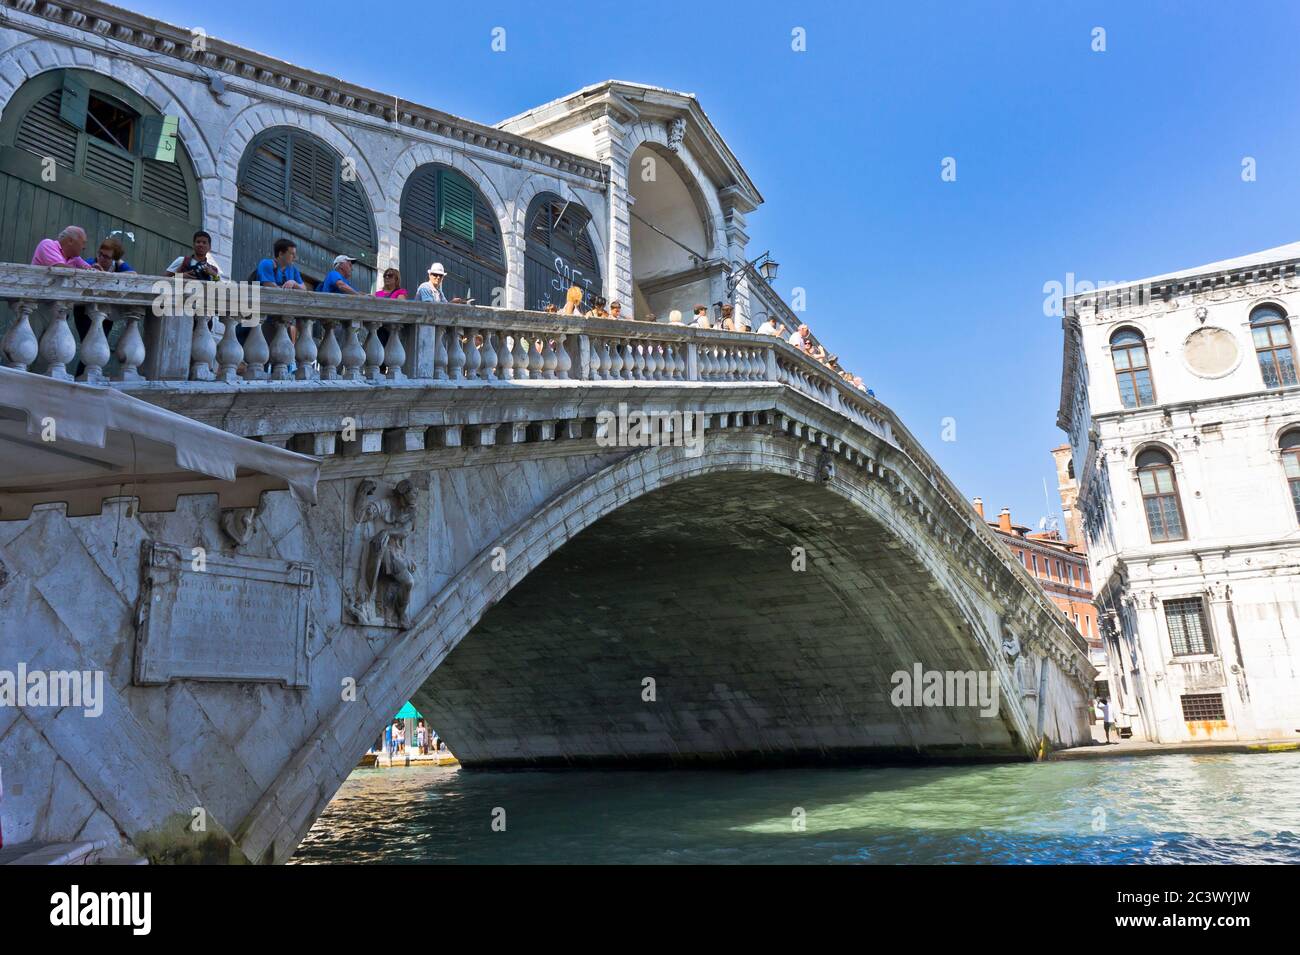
158, 138
455, 205
73, 101
262, 176
162, 184
109, 166
42, 132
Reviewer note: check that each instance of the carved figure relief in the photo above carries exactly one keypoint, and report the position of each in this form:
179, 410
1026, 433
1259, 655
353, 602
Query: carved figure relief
676, 133
386, 573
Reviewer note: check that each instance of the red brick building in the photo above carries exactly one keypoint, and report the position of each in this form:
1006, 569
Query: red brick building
1060, 566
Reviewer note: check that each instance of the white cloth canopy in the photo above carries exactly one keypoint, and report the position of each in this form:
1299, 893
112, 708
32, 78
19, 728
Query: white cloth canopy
61, 441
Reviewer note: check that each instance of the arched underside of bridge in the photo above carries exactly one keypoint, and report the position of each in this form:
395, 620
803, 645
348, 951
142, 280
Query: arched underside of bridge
694, 587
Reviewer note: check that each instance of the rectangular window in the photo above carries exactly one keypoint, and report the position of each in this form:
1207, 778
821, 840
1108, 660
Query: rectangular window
1188, 632
1199, 707
1035, 559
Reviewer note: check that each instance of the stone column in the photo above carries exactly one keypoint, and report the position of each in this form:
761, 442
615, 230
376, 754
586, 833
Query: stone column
610, 136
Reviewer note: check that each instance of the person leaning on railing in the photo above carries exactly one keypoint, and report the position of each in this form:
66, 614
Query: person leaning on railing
65, 250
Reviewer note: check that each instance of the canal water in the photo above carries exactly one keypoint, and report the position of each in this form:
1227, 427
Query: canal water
1223, 809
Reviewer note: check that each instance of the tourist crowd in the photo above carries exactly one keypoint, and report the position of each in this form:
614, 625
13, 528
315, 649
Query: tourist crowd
279, 270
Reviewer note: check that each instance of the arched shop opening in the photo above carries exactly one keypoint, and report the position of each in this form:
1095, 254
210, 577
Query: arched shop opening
78, 148
293, 185
671, 240
446, 219
558, 253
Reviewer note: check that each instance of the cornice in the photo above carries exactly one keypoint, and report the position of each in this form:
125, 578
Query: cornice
157, 37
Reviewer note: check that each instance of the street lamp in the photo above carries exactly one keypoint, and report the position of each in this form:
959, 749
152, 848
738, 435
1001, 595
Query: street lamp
764, 262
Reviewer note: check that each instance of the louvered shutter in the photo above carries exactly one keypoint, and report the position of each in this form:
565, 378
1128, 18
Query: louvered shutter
163, 185
355, 222
311, 183
42, 132
263, 174
456, 205
108, 166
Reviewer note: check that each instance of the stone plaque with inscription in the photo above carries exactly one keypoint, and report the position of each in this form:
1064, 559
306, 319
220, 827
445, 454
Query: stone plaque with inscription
231, 618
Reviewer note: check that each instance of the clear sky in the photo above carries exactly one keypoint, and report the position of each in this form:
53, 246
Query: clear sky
1110, 165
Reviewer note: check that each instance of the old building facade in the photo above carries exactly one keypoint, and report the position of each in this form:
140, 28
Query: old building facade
1180, 399
121, 123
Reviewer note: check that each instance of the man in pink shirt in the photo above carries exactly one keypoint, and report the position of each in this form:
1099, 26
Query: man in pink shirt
65, 250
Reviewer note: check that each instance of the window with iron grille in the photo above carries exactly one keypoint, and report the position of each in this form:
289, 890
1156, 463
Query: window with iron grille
1188, 632
1199, 707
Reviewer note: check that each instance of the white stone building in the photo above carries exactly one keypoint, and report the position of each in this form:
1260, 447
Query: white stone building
516, 211
1179, 395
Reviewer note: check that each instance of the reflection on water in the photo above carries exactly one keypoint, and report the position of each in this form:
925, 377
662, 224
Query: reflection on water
1229, 808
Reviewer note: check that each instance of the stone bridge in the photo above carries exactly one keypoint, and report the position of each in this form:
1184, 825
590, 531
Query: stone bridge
486, 541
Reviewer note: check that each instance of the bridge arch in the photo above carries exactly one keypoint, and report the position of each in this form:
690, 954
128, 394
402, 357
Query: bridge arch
772, 466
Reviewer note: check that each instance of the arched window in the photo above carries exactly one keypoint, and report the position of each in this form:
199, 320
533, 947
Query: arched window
1164, 511
558, 254
292, 184
445, 218
1290, 447
1272, 334
79, 148
1128, 351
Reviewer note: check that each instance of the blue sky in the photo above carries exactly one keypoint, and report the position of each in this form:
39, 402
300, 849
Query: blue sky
1111, 165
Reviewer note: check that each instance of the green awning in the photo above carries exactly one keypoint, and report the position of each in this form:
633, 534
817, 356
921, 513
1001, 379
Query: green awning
408, 712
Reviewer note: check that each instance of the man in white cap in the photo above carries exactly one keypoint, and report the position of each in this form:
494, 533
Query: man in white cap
339, 274
431, 291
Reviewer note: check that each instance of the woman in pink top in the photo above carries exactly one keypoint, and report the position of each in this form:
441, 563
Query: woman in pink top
392, 286
65, 250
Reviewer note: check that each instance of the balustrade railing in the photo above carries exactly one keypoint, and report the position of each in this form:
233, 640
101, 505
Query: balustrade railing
131, 329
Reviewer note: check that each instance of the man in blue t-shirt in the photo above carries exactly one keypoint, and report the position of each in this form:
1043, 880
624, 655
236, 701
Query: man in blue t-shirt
279, 271
339, 274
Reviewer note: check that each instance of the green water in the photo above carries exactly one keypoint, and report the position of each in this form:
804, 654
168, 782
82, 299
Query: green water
1161, 809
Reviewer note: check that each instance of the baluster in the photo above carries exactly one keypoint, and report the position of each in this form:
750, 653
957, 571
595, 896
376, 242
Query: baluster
535, 361
395, 352
670, 361
520, 357
374, 352
733, 365
203, 349
440, 353
230, 354
58, 344
657, 363
490, 357
130, 348
281, 351
20, 348
95, 352
564, 362
354, 356
549, 361
508, 343
615, 361
627, 360
473, 360
256, 353
638, 362
331, 352
682, 366
455, 354
305, 351
706, 363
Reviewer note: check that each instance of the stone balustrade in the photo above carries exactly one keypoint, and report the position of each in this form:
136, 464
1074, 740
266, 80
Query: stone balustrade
130, 329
